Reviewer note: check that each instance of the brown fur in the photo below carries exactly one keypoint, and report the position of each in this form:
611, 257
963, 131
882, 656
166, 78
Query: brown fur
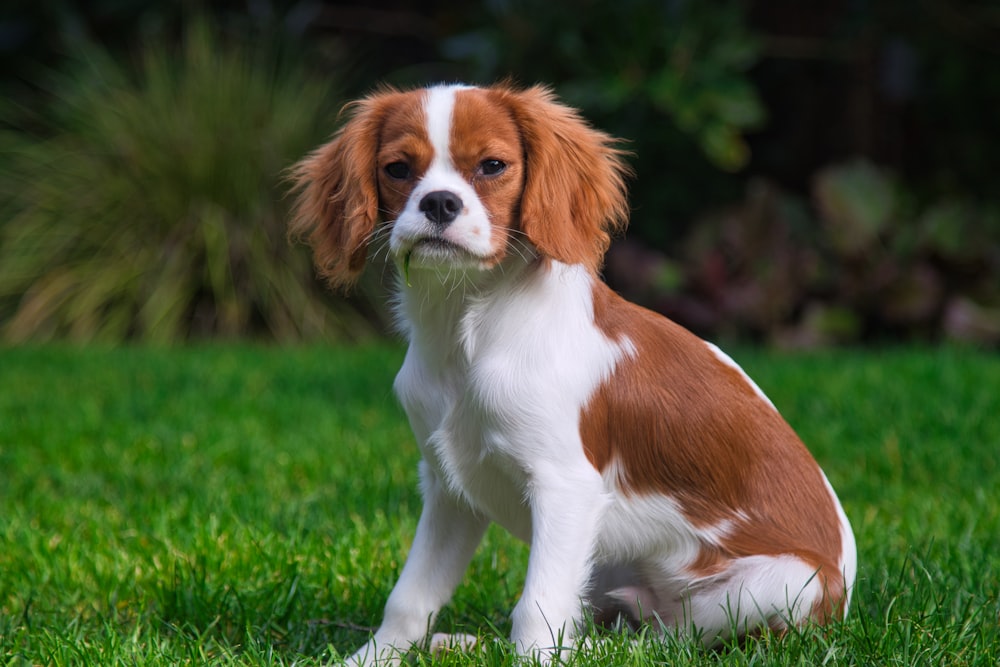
571, 213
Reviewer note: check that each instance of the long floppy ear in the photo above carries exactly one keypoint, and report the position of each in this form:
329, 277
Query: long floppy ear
337, 205
574, 192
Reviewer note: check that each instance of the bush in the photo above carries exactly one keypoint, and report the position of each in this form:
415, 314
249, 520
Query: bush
862, 261
152, 208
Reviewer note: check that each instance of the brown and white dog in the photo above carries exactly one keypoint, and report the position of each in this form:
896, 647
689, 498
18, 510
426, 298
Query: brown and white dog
649, 474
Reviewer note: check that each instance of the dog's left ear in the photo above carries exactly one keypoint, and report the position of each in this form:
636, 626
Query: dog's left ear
337, 206
574, 193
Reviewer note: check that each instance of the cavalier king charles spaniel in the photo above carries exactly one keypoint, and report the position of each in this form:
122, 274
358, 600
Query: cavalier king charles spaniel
652, 479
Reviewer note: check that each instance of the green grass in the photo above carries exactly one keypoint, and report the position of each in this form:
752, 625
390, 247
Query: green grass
253, 505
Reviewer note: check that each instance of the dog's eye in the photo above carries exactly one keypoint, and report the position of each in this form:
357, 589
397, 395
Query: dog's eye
492, 167
398, 170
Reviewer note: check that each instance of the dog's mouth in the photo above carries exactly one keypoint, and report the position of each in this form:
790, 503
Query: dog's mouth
435, 252
434, 249
436, 245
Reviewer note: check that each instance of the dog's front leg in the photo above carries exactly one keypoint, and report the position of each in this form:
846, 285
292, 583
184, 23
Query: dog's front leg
447, 536
566, 509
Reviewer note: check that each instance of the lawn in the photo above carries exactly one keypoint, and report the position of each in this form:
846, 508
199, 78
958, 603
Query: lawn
252, 505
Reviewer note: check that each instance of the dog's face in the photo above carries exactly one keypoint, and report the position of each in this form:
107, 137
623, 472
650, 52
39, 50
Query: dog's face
460, 178
451, 190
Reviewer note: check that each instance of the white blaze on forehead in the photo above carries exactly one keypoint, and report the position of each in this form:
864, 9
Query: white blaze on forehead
438, 105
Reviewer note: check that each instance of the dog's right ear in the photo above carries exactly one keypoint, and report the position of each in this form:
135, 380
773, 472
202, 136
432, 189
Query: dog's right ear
337, 195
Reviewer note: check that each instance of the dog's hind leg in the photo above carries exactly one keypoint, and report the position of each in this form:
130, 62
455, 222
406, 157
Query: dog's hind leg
753, 593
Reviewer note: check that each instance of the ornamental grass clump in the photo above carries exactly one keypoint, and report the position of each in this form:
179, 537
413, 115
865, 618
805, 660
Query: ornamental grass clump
152, 207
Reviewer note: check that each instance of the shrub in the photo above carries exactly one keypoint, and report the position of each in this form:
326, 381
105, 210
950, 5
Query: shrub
863, 261
153, 206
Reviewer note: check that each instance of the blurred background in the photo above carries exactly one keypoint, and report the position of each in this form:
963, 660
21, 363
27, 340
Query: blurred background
807, 173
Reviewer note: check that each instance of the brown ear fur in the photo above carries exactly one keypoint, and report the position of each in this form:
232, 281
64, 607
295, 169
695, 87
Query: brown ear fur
574, 192
337, 205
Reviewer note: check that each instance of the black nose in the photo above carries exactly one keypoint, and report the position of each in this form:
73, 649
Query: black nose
441, 206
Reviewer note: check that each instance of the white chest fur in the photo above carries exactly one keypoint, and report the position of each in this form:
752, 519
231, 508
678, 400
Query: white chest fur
494, 383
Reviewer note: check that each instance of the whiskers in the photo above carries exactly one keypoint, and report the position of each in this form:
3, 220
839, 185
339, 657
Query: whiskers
519, 244
463, 283
379, 241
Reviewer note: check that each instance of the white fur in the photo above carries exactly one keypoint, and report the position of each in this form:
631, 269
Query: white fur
651, 528
498, 423
658, 543
848, 551
499, 366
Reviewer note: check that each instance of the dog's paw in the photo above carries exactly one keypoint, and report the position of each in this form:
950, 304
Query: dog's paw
444, 643
374, 655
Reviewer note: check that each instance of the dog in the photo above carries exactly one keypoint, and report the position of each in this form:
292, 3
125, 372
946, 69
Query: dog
652, 479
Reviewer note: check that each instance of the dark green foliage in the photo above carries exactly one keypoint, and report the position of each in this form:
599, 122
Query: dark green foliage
860, 262
137, 205
150, 204
684, 60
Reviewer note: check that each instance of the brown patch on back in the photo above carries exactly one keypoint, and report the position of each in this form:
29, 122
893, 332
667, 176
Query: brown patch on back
680, 422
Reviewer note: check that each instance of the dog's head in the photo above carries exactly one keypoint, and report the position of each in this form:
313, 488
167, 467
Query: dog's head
462, 178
